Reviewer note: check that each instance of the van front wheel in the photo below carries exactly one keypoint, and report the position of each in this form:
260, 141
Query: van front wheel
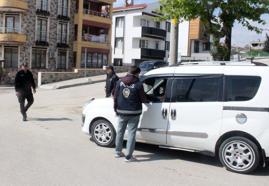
103, 133
239, 154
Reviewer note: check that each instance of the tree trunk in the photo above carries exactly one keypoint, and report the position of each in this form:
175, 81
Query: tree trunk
228, 43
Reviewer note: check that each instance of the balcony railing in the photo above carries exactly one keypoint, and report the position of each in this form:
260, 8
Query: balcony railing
95, 38
152, 53
10, 30
95, 13
154, 32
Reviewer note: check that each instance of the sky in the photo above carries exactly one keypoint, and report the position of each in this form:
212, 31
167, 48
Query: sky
241, 36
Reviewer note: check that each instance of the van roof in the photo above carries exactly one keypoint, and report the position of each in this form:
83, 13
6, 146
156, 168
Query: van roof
239, 69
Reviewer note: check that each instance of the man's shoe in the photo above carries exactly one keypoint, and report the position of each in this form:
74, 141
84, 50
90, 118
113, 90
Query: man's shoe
24, 117
131, 159
119, 155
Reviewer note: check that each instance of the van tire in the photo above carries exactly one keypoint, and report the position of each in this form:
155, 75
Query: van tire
103, 133
239, 154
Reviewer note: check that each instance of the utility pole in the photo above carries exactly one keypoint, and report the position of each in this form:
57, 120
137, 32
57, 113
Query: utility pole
174, 42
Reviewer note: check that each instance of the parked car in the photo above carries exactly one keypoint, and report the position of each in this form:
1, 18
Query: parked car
146, 66
216, 110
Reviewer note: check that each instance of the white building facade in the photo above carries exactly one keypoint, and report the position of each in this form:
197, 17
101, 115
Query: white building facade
138, 36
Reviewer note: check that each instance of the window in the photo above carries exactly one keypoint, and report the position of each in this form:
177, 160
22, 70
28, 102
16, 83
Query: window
11, 57
94, 59
155, 89
63, 7
206, 46
119, 22
62, 33
42, 5
62, 59
39, 58
143, 43
12, 23
144, 22
241, 88
196, 47
119, 43
167, 45
157, 45
41, 29
201, 89
157, 24
168, 26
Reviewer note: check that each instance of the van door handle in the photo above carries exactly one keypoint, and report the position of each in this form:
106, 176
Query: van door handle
164, 113
174, 114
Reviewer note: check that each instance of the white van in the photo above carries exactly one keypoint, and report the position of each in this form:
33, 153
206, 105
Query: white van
218, 110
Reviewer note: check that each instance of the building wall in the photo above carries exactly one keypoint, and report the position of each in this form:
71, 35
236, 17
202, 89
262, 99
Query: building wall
183, 39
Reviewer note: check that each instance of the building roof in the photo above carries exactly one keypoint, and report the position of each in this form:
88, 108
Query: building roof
131, 7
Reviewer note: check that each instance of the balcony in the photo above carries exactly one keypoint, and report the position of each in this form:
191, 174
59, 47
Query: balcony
152, 53
94, 38
153, 32
11, 36
13, 6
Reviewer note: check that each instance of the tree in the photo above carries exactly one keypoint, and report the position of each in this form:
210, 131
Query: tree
218, 17
266, 44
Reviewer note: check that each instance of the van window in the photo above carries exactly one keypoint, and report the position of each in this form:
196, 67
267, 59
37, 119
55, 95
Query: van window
200, 89
241, 88
155, 89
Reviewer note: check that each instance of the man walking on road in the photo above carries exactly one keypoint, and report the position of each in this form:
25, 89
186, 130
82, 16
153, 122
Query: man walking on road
25, 87
111, 80
128, 98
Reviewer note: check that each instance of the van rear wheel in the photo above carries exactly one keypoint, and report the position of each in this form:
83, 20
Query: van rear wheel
239, 154
103, 133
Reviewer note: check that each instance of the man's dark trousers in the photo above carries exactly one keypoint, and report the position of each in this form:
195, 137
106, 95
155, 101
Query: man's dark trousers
30, 100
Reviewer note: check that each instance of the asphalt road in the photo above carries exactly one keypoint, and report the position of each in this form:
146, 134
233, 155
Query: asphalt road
50, 149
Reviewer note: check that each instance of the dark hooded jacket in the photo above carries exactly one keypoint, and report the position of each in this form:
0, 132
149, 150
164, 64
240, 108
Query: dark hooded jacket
24, 82
129, 96
111, 81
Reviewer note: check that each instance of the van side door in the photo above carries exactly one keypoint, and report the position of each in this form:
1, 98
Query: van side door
195, 112
154, 119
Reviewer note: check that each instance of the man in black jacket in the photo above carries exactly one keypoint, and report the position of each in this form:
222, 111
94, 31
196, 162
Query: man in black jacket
25, 87
111, 80
128, 98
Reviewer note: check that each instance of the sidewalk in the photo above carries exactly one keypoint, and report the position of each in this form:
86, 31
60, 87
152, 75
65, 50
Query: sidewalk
76, 82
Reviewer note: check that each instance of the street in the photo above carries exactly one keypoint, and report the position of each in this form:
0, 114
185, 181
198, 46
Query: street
50, 149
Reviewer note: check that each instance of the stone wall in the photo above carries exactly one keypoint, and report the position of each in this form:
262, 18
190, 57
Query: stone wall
51, 77
47, 76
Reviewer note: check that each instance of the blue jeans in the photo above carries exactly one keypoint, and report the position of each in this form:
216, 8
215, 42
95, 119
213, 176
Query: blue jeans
131, 123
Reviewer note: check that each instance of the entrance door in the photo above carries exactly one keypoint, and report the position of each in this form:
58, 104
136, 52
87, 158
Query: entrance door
154, 120
196, 112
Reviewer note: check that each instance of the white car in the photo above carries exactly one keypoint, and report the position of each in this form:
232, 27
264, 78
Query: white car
218, 110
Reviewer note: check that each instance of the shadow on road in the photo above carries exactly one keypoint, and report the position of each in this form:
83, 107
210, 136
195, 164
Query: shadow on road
157, 154
50, 119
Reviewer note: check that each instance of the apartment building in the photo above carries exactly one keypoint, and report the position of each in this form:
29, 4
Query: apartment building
93, 22
55, 35
138, 36
39, 32
193, 41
